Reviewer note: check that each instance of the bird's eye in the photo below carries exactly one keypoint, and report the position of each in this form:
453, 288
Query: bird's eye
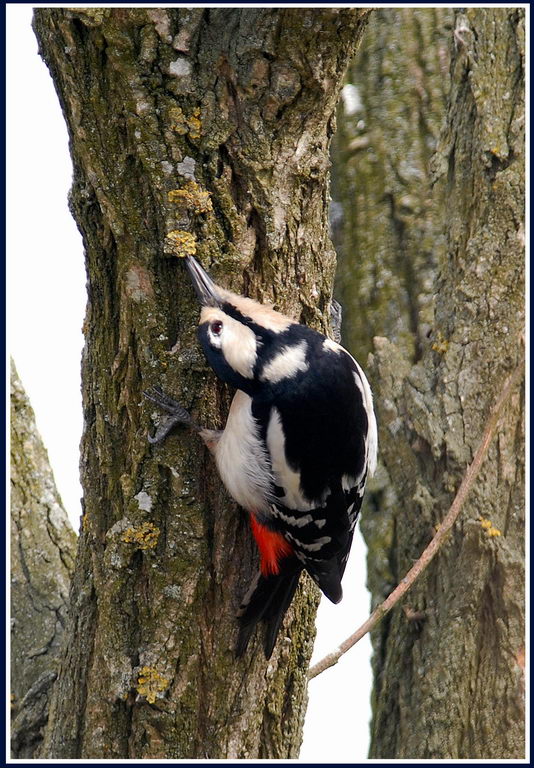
216, 328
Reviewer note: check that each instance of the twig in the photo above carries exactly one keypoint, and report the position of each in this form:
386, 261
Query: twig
413, 574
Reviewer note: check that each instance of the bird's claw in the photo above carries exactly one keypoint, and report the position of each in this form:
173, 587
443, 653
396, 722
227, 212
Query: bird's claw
178, 414
167, 403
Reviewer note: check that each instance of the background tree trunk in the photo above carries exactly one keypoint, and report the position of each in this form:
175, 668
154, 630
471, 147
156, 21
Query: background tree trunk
387, 226
43, 546
449, 685
213, 124
389, 232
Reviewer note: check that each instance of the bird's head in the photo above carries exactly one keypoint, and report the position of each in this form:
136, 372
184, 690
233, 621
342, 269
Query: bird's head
237, 334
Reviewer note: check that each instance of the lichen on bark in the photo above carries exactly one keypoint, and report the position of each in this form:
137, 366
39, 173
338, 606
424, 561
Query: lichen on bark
432, 259
463, 661
241, 103
387, 226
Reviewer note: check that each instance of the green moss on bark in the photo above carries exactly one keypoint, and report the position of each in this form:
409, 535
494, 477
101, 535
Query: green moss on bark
431, 243
452, 671
156, 99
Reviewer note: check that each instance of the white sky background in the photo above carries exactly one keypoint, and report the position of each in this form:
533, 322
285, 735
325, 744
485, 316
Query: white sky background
46, 306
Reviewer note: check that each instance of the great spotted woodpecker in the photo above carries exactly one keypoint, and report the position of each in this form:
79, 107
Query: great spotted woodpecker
298, 446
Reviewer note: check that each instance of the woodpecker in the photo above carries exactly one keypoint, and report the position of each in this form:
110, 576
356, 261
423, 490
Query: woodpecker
298, 446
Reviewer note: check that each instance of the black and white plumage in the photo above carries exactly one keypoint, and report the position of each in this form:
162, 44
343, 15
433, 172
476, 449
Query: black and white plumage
298, 446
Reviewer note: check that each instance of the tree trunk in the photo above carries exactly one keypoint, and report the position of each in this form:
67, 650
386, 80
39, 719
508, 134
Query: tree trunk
388, 235
43, 547
387, 227
212, 124
449, 678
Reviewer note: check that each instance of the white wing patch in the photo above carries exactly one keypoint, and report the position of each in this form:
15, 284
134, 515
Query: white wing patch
242, 460
289, 361
284, 475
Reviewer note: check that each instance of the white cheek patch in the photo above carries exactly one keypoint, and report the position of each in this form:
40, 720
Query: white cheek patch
237, 342
239, 347
287, 363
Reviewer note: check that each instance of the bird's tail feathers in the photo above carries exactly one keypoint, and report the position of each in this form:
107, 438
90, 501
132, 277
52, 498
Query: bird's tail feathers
267, 601
327, 575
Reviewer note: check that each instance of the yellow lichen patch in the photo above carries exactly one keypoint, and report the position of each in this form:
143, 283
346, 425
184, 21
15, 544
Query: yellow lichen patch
488, 526
150, 683
177, 120
145, 536
441, 344
194, 124
192, 197
182, 123
182, 243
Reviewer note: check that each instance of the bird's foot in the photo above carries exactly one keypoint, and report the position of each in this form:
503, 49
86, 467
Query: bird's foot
178, 414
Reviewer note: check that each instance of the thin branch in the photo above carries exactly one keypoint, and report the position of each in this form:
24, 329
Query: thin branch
413, 574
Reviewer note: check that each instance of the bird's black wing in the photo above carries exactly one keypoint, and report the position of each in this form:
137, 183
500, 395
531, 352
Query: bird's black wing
315, 428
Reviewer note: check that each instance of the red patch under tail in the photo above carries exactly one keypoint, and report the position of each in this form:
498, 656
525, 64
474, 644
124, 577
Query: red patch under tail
273, 547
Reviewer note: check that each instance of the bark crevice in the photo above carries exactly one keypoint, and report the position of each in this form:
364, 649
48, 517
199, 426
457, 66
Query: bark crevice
156, 99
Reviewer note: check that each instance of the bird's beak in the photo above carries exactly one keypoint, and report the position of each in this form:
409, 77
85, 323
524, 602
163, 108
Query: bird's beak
204, 286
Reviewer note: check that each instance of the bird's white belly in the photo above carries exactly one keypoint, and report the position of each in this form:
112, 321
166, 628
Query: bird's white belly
241, 458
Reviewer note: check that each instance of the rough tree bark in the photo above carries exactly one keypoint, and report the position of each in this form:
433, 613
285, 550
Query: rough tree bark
43, 547
388, 235
449, 668
212, 124
388, 227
